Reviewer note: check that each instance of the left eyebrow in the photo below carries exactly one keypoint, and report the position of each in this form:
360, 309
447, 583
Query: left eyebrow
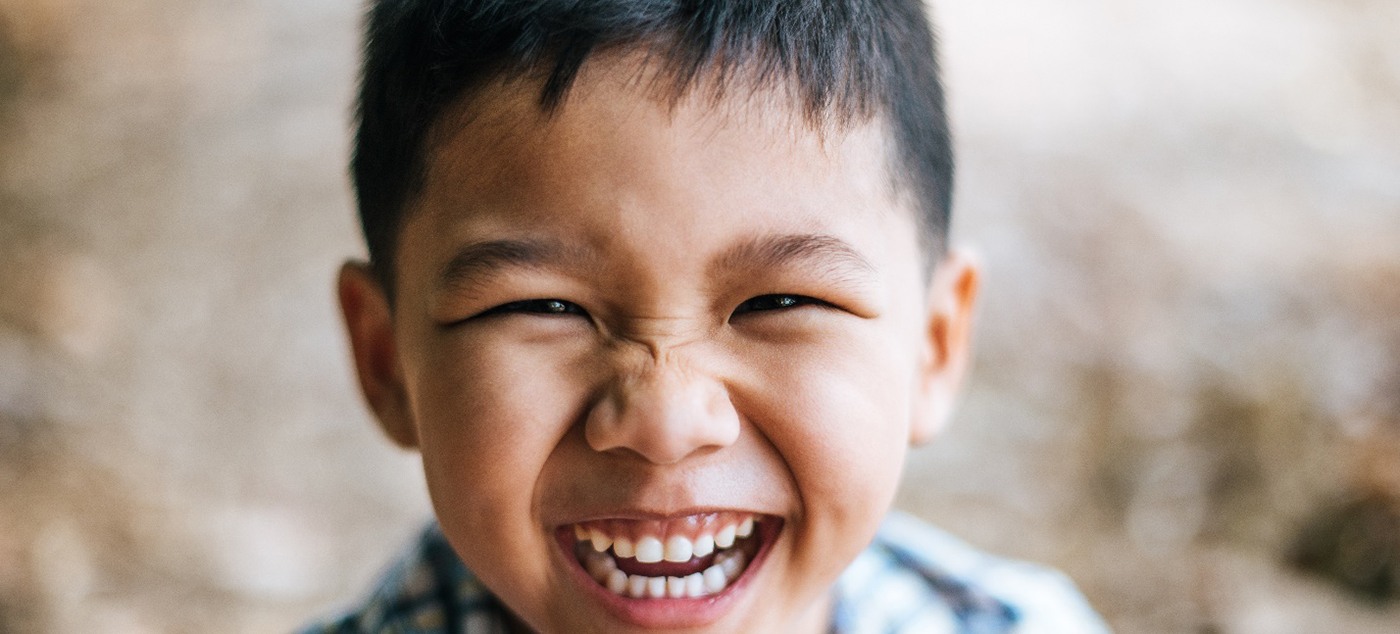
476, 261
834, 256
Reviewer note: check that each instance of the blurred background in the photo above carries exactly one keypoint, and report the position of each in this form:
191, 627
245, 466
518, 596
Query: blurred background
1188, 387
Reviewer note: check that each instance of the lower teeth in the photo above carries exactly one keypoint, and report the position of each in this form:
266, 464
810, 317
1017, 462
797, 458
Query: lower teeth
727, 567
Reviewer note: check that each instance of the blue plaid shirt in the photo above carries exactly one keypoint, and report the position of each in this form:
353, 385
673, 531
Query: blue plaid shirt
912, 579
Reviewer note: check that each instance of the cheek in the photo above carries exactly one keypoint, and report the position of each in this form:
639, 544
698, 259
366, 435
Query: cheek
842, 420
838, 416
490, 412
849, 406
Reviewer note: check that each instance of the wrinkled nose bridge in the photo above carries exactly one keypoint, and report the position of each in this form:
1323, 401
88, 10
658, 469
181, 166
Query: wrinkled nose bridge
660, 405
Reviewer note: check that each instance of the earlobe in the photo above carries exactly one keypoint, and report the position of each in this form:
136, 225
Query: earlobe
947, 338
369, 323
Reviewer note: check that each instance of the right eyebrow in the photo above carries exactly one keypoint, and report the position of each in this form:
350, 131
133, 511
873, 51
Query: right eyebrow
477, 260
826, 254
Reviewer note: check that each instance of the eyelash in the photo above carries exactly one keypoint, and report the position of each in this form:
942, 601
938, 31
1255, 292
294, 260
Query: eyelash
766, 303
559, 307
547, 307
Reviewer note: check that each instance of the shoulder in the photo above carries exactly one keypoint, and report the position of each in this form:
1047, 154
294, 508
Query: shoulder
916, 578
912, 578
427, 590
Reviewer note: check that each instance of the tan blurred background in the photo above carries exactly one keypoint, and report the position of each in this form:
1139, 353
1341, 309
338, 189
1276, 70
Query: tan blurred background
1189, 371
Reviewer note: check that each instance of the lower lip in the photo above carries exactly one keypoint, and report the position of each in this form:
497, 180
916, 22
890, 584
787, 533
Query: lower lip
670, 613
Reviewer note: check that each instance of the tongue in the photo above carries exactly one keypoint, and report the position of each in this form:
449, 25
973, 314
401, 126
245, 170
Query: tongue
665, 568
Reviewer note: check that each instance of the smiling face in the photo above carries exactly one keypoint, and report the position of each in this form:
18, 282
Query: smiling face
663, 365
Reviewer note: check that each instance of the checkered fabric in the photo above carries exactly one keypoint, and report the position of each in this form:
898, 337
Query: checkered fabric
913, 579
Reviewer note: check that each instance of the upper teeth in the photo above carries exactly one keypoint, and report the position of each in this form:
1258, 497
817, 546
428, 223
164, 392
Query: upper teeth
704, 545
725, 538
727, 565
649, 550
679, 549
676, 548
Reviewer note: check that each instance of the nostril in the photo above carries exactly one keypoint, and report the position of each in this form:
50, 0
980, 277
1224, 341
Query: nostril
663, 419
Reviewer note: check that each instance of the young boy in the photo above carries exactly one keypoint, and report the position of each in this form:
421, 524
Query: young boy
659, 290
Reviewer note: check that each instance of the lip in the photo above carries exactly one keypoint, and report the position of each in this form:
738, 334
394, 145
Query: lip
670, 613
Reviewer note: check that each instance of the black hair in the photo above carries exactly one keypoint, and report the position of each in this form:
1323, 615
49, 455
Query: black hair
842, 59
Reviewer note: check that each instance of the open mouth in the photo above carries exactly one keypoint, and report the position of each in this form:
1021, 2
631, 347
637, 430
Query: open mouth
693, 557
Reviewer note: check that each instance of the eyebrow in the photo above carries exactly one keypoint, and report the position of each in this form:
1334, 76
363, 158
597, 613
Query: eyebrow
475, 261
834, 256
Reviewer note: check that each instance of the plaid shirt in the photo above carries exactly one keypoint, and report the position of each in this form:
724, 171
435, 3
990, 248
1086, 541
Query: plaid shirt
912, 579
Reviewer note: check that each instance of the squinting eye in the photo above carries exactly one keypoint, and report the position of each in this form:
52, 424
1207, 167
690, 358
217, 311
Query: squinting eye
776, 302
537, 307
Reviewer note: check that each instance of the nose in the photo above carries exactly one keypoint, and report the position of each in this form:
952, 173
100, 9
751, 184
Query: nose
663, 415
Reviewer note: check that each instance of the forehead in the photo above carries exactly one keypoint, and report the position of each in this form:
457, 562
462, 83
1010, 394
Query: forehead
703, 165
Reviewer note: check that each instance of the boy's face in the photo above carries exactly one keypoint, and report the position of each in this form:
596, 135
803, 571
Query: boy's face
628, 323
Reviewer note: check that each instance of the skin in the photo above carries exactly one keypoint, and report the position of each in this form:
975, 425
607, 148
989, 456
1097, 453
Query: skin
671, 377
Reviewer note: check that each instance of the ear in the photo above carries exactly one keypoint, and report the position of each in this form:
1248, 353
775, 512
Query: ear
370, 324
947, 332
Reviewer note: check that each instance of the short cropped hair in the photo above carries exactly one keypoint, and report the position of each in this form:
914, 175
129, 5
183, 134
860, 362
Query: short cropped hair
843, 60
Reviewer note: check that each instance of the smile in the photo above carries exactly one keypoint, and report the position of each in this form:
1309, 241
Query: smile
691, 557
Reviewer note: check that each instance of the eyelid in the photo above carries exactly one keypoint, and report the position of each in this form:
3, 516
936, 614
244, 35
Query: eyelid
546, 305
530, 307
797, 300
